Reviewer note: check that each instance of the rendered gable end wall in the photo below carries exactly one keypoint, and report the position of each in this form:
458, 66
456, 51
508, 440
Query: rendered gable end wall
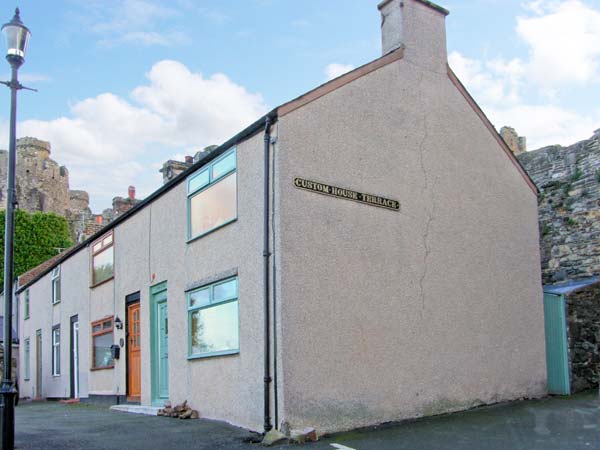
391, 315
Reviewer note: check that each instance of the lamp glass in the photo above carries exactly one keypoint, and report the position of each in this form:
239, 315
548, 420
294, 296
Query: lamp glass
17, 37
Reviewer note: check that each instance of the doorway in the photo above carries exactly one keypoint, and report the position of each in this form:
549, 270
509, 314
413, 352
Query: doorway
74, 357
134, 368
38, 364
159, 326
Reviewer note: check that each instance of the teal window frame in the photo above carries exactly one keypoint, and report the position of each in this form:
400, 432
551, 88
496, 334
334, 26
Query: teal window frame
26, 362
207, 172
26, 305
211, 304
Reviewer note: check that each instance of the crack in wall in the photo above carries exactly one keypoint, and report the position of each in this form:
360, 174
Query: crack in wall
427, 189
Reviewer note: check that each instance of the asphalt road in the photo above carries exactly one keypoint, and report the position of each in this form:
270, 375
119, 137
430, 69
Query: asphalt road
570, 423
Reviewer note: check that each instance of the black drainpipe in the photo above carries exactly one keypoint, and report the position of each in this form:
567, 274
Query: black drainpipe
266, 255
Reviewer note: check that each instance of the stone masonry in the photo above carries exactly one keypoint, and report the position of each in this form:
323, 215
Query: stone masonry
517, 144
583, 317
569, 207
43, 185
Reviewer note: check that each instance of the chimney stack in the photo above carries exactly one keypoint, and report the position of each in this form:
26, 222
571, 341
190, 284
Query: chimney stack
189, 159
417, 26
131, 192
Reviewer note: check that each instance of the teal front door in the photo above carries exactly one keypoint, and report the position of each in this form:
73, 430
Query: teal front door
160, 344
557, 358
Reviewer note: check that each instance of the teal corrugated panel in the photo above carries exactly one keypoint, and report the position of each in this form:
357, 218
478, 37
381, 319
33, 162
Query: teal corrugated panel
557, 359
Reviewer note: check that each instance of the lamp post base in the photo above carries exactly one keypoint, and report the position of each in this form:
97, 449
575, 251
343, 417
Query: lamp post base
7, 414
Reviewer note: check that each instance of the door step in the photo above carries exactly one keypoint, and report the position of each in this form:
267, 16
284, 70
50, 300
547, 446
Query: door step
137, 409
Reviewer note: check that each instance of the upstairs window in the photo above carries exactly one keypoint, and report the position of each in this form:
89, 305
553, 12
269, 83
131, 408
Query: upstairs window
212, 195
102, 339
102, 259
56, 285
26, 304
213, 324
56, 350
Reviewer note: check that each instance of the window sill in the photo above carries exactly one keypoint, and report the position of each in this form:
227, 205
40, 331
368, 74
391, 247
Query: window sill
55, 303
56, 376
214, 354
102, 282
93, 369
26, 379
195, 238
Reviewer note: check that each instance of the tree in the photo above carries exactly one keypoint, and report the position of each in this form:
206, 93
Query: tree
38, 237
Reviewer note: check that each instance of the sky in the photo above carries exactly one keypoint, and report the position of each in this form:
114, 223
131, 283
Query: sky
125, 85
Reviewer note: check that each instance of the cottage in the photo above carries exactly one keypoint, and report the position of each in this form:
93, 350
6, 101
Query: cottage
401, 278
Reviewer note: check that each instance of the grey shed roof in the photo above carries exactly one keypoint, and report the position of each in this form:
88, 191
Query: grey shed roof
570, 286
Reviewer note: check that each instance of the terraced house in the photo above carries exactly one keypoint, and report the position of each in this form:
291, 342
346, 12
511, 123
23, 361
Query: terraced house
366, 252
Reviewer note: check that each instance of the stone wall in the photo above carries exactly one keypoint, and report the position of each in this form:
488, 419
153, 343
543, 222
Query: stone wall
583, 319
569, 208
42, 184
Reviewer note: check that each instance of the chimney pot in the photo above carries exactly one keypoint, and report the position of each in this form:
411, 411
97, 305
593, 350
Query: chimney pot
99, 220
131, 192
189, 159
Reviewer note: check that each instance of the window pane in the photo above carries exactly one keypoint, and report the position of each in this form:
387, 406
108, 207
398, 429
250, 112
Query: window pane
213, 206
102, 354
200, 298
26, 357
107, 240
225, 291
56, 290
224, 166
106, 325
198, 181
96, 328
103, 266
97, 247
214, 329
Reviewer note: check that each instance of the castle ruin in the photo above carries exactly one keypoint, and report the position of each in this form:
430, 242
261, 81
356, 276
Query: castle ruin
43, 185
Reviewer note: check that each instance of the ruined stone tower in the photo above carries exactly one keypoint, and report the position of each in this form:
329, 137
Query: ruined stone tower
516, 143
42, 185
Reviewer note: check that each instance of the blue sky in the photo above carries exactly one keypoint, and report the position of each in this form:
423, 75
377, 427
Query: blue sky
126, 84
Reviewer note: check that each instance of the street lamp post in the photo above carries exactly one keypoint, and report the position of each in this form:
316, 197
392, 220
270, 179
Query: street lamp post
17, 36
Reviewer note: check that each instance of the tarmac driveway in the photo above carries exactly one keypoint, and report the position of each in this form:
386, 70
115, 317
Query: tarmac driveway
569, 423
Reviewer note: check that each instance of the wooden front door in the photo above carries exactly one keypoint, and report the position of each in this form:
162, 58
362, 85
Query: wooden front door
133, 353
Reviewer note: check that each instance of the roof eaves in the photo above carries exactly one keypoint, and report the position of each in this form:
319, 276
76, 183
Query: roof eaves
339, 82
247, 132
471, 101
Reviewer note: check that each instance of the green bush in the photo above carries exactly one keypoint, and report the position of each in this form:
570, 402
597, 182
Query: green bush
38, 237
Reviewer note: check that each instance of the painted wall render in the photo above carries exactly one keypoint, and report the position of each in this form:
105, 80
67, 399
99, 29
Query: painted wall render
380, 315
390, 315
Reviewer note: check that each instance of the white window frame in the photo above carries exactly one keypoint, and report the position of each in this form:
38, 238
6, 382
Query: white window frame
56, 351
27, 356
56, 285
26, 305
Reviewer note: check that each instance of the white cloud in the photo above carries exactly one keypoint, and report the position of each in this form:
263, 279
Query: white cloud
335, 70
109, 142
563, 41
138, 22
546, 124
